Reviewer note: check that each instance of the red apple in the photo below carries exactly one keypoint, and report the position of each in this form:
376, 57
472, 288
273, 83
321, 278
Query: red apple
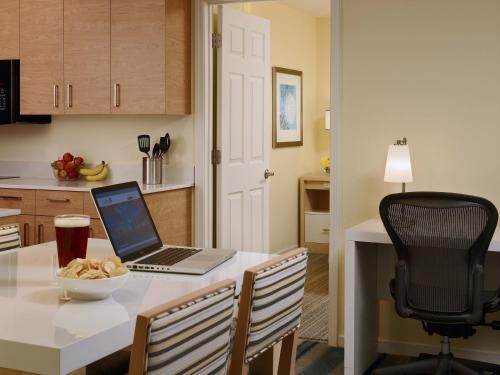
73, 174
62, 173
78, 161
59, 164
69, 166
68, 157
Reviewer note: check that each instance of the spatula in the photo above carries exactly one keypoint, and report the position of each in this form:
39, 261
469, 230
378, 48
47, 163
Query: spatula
144, 143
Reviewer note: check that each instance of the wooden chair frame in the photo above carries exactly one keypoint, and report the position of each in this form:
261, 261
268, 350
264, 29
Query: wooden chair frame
138, 355
238, 365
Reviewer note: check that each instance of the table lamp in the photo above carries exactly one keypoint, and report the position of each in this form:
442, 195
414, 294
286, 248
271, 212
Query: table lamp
398, 164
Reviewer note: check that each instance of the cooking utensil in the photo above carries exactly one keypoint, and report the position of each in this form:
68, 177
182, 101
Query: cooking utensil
168, 142
156, 150
144, 143
163, 145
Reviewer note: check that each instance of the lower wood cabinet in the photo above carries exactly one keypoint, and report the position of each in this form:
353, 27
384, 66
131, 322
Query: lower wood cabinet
171, 212
26, 227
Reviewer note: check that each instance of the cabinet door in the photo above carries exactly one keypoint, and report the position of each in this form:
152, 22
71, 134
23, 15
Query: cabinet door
41, 49
9, 29
87, 56
171, 212
96, 229
178, 57
26, 227
138, 56
45, 230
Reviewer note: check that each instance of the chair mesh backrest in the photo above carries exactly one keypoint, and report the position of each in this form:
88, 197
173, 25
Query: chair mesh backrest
437, 237
276, 307
193, 338
9, 237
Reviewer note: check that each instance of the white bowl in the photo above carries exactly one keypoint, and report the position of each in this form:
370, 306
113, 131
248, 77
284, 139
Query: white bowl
91, 289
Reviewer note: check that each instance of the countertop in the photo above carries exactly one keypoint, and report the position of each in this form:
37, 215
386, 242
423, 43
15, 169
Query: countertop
5, 212
53, 184
58, 338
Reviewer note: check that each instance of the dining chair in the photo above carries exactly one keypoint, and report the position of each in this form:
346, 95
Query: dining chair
9, 237
270, 309
186, 336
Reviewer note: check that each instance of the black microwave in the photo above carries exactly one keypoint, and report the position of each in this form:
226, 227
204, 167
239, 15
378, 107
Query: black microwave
9, 97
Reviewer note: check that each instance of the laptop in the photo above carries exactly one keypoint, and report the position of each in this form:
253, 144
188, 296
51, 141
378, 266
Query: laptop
135, 240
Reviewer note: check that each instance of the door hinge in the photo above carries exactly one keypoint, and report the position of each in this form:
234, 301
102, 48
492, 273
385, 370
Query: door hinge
216, 40
216, 158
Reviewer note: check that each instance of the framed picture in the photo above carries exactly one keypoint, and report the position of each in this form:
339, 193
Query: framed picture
287, 107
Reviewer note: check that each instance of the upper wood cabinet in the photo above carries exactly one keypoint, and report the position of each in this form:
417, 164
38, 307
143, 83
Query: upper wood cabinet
41, 34
178, 63
138, 56
9, 29
87, 56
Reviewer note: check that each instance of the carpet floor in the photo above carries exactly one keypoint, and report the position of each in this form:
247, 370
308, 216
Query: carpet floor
314, 325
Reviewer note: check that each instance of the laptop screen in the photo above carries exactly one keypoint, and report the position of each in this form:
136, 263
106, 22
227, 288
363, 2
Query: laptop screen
127, 219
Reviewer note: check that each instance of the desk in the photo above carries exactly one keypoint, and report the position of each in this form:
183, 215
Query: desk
40, 334
369, 265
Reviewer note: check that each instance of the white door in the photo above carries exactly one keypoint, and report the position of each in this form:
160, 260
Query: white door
243, 131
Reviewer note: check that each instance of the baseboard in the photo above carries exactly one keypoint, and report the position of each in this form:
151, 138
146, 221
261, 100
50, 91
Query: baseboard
289, 248
413, 349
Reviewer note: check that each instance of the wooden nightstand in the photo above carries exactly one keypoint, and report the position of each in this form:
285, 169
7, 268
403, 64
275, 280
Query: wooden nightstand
314, 213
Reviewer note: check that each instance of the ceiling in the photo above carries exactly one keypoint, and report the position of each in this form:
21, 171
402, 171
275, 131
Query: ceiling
318, 8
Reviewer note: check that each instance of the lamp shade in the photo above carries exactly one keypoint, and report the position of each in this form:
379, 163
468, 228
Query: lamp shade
398, 164
327, 119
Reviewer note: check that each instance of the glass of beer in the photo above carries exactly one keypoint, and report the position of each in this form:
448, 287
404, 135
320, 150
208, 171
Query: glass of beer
72, 234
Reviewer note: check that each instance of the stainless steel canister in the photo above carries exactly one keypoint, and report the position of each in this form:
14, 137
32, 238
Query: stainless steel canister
152, 171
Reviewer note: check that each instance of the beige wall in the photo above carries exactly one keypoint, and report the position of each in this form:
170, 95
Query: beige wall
298, 41
110, 138
427, 70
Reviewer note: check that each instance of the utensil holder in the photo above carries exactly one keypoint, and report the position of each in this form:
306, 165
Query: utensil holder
152, 171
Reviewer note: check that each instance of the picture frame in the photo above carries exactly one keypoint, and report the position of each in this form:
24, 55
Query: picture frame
287, 108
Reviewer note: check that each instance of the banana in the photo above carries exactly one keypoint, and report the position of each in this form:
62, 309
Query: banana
92, 171
100, 176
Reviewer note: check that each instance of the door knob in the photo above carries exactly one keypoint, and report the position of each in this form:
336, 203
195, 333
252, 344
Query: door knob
268, 173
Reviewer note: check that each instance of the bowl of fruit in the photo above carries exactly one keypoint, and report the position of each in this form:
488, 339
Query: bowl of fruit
68, 167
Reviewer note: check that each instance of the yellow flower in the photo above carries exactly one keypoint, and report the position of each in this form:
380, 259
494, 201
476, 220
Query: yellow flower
325, 162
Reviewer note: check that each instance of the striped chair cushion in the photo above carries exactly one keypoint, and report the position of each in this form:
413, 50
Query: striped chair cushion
276, 303
9, 237
193, 338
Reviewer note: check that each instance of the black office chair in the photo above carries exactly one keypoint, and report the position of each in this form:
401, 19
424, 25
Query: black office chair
441, 240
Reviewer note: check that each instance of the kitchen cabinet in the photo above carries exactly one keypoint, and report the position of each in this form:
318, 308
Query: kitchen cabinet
178, 57
45, 230
9, 29
87, 56
138, 56
171, 212
26, 227
41, 51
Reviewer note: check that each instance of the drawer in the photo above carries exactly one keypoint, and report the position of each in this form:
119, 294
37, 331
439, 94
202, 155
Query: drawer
317, 185
97, 229
317, 227
18, 198
89, 206
52, 202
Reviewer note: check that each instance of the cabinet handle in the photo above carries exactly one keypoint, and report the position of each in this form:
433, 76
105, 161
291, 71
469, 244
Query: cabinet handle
117, 94
26, 228
70, 96
59, 200
10, 197
56, 96
325, 230
40, 233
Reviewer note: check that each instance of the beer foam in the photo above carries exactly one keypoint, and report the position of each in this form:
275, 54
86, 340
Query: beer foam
72, 222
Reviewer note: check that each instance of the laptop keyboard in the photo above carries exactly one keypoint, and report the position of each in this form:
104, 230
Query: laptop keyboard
169, 256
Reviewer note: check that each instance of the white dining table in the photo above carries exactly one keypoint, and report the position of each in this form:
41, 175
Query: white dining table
41, 334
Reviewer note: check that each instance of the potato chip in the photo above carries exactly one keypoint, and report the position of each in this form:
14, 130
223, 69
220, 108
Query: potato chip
91, 269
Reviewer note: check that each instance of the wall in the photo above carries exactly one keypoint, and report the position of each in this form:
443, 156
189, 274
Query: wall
427, 70
110, 138
295, 41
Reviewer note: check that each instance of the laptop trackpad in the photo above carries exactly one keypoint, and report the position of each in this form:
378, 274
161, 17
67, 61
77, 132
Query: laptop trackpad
200, 260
